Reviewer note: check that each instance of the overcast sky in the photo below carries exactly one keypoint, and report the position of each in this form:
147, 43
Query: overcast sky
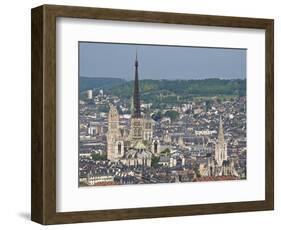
160, 62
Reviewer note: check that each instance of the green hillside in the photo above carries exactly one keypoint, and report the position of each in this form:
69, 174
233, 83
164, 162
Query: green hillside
161, 92
182, 88
98, 83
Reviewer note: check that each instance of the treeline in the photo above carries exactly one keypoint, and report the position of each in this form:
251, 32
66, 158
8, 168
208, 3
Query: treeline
162, 92
86, 83
183, 88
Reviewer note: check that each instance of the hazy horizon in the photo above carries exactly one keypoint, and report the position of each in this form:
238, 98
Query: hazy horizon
159, 62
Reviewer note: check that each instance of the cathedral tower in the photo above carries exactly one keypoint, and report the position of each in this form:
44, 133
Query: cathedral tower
136, 121
221, 146
115, 143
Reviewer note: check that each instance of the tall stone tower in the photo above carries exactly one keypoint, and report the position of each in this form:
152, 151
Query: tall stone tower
136, 121
115, 143
147, 127
221, 146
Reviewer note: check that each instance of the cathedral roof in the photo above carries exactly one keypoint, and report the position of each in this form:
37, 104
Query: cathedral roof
138, 153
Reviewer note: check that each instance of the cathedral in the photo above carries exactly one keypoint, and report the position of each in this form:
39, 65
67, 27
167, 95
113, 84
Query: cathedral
135, 146
219, 165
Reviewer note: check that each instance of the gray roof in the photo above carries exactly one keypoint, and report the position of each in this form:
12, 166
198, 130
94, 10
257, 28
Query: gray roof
138, 153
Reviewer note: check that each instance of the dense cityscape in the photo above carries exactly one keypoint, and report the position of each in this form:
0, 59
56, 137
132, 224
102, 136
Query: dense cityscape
129, 140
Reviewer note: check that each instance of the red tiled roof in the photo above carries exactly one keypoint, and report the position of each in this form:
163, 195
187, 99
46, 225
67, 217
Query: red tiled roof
104, 183
216, 178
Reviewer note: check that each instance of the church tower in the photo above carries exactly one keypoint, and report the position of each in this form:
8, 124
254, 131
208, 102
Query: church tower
221, 146
147, 127
136, 121
115, 143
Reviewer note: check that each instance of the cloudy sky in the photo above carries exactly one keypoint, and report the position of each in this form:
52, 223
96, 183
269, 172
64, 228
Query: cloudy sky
160, 62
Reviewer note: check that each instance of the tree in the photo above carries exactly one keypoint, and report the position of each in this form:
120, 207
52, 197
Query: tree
173, 115
103, 108
166, 151
98, 157
154, 161
157, 116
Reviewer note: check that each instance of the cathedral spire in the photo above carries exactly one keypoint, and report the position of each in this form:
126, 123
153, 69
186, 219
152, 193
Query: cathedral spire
136, 61
221, 134
221, 146
136, 102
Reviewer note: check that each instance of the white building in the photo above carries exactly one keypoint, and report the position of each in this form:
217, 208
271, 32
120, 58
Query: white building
89, 94
205, 132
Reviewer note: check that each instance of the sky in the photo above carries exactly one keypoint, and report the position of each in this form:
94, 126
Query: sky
160, 62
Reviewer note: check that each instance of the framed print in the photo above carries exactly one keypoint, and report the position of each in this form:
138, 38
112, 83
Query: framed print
141, 114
